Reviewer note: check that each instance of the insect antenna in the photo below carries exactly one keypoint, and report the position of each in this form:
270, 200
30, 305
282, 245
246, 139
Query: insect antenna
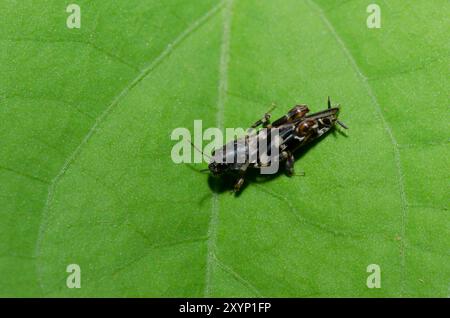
196, 170
199, 150
329, 102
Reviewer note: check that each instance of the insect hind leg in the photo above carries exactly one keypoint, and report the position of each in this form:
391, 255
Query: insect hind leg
265, 120
296, 113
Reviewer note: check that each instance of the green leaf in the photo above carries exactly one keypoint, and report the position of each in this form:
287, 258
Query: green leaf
87, 178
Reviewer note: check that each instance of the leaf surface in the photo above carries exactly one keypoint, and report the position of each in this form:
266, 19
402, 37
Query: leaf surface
87, 178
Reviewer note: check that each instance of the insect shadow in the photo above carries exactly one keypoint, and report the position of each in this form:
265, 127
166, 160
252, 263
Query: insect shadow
225, 183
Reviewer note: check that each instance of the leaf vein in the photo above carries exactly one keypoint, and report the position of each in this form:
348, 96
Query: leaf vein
396, 149
86, 43
238, 277
303, 220
221, 99
143, 74
25, 175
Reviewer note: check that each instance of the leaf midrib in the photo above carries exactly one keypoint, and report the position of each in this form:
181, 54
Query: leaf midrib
212, 230
102, 117
222, 88
397, 159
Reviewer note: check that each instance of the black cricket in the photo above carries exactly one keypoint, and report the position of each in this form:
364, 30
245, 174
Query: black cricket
295, 129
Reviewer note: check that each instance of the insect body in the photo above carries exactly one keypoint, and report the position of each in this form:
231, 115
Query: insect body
286, 134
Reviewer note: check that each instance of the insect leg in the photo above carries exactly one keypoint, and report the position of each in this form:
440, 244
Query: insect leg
238, 185
240, 181
265, 119
296, 114
289, 165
